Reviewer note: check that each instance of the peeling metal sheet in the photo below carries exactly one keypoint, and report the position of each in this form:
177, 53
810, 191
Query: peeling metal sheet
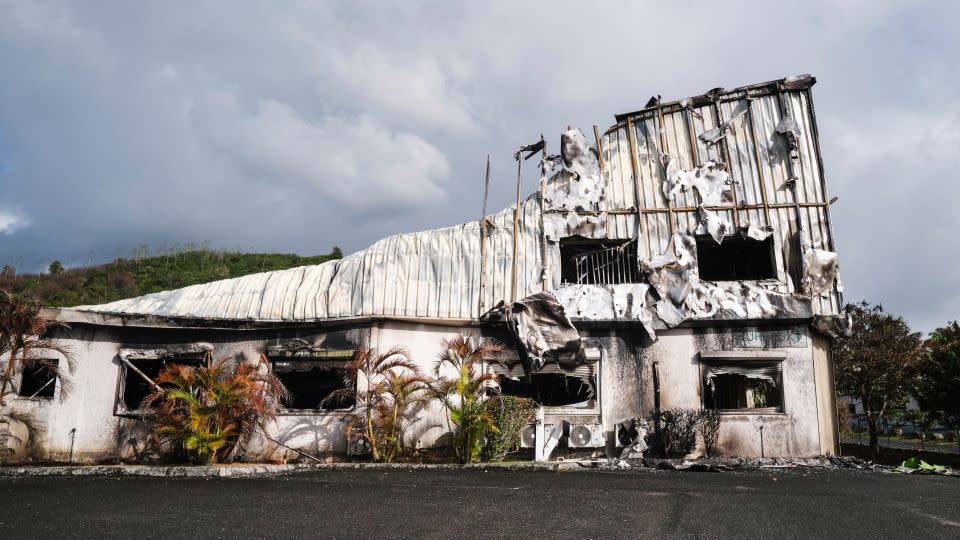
542, 326
710, 181
756, 233
557, 225
714, 135
578, 185
834, 325
821, 271
711, 223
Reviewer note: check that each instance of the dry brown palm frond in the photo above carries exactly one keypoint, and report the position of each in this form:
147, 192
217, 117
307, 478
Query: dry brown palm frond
26, 341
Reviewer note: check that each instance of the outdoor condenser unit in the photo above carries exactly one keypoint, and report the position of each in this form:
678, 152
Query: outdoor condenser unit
528, 437
586, 436
357, 444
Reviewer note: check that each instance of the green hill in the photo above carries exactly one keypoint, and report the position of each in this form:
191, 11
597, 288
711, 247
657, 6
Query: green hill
125, 278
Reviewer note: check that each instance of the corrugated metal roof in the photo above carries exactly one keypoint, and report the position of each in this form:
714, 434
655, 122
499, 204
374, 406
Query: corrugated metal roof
436, 274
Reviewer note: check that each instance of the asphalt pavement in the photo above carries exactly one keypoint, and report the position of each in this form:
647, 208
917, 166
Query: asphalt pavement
791, 503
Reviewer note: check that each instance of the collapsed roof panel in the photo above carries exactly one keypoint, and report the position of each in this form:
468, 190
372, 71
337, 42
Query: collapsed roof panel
715, 164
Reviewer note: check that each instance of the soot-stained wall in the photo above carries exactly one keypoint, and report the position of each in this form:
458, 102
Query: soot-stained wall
794, 432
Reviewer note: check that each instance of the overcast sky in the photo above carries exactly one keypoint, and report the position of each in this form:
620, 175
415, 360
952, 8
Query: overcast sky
294, 127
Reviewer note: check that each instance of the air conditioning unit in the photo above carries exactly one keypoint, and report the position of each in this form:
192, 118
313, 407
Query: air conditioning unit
528, 437
357, 444
586, 436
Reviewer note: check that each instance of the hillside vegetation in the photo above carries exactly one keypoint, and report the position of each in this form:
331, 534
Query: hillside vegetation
125, 278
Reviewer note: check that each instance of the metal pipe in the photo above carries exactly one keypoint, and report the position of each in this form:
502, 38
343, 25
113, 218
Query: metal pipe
140, 373
516, 227
726, 161
663, 170
759, 159
544, 253
42, 387
483, 240
635, 167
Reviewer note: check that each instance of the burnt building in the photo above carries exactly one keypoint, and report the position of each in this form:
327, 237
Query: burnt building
682, 258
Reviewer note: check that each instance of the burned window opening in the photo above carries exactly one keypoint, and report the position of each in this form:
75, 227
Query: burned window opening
312, 383
550, 389
598, 262
136, 388
38, 380
747, 387
736, 259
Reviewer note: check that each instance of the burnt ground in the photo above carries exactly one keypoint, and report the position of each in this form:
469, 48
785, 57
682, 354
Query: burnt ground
473, 503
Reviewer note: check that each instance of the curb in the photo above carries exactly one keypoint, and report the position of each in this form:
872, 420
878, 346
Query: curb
222, 471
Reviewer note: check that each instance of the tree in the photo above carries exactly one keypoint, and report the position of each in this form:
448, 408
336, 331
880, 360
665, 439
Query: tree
336, 253
463, 394
878, 363
211, 412
56, 267
25, 344
938, 387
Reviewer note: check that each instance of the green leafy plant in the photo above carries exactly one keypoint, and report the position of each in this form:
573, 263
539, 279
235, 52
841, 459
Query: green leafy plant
386, 387
510, 415
463, 393
211, 412
879, 363
402, 394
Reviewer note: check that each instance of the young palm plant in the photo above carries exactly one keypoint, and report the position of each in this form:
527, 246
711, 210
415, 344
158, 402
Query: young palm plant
26, 344
463, 394
212, 412
402, 393
367, 382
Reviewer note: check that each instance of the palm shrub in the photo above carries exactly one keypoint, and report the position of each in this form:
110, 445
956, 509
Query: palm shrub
26, 343
462, 395
385, 386
401, 395
211, 412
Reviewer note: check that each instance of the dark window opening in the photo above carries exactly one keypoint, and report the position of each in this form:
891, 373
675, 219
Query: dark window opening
38, 380
594, 262
738, 387
311, 383
550, 389
736, 259
136, 388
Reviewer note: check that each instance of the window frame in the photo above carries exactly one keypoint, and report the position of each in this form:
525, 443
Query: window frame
772, 241
35, 395
196, 351
594, 355
708, 358
307, 354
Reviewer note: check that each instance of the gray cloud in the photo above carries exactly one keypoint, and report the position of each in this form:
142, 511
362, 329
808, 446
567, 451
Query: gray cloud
295, 128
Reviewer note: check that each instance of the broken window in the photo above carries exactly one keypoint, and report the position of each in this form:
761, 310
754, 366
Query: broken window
594, 262
736, 259
136, 388
312, 376
553, 387
743, 386
38, 380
